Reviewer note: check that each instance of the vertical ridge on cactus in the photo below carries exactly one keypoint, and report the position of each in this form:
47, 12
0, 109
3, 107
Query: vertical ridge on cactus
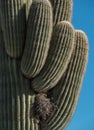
28, 5
13, 20
62, 10
38, 38
58, 57
16, 98
68, 88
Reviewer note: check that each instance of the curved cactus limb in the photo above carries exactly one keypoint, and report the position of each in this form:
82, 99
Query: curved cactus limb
58, 57
38, 38
66, 92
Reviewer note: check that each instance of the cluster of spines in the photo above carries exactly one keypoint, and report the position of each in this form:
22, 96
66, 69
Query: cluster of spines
38, 37
43, 107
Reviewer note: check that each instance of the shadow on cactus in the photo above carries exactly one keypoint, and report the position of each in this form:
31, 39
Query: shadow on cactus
42, 64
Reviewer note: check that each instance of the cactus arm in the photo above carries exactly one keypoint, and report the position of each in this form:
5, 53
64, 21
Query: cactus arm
62, 10
13, 20
66, 92
58, 57
38, 38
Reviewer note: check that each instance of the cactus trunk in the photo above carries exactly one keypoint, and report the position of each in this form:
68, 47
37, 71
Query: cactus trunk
13, 20
16, 98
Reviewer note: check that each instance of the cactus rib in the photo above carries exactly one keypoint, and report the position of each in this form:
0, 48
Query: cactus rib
62, 10
28, 5
13, 20
15, 98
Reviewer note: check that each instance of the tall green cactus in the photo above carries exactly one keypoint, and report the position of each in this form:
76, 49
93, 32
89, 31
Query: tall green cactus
40, 54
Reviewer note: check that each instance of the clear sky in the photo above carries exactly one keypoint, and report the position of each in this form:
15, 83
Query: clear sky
83, 18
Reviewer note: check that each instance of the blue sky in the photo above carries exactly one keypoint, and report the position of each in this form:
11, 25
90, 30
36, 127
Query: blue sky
83, 18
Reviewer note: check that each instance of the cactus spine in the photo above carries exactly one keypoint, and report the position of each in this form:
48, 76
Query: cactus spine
38, 38
13, 23
58, 57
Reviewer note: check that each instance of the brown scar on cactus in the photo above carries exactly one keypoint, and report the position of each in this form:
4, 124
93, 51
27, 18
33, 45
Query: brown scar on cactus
43, 107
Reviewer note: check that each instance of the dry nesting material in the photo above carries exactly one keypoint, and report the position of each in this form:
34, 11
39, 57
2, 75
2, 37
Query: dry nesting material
43, 107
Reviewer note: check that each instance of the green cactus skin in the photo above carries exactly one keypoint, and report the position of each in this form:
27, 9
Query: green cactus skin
62, 10
28, 5
13, 22
38, 38
66, 92
58, 57
16, 98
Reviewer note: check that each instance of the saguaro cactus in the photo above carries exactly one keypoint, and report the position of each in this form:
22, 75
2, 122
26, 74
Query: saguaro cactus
42, 64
